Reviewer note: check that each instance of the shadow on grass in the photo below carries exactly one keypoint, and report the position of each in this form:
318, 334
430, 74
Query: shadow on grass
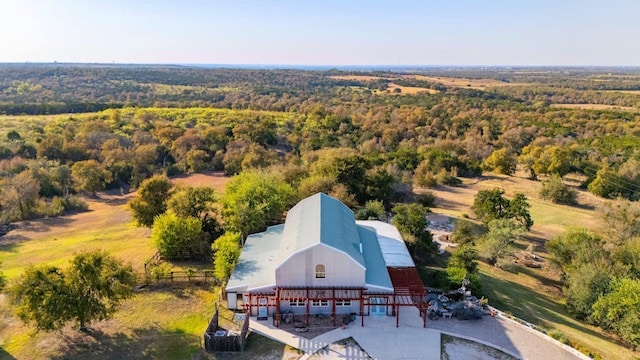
115, 200
530, 306
5, 355
10, 240
142, 343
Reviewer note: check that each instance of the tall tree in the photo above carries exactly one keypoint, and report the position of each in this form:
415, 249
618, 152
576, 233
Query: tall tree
490, 205
178, 238
194, 201
502, 161
253, 200
151, 201
619, 310
90, 176
226, 251
98, 284
91, 289
411, 221
519, 210
497, 242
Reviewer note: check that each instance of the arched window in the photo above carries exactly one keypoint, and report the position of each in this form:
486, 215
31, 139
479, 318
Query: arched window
320, 271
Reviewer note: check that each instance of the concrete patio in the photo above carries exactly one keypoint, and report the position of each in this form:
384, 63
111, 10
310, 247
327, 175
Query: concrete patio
380, 338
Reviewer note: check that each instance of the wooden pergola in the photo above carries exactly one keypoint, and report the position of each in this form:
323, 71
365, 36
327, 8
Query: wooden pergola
409, 290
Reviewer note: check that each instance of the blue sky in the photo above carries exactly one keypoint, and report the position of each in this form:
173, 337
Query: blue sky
322, 32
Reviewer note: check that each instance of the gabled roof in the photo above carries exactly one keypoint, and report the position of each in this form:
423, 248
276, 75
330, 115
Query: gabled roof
320, 219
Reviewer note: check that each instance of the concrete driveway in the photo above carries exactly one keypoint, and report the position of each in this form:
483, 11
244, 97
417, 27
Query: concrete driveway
381, 339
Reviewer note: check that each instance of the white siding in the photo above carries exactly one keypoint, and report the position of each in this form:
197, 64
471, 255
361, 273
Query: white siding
299, 269
232, 300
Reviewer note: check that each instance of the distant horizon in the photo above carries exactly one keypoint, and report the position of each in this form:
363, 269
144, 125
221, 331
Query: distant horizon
323, 33
323, 66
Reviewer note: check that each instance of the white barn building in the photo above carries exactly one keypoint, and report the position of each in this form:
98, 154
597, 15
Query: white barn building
323, 261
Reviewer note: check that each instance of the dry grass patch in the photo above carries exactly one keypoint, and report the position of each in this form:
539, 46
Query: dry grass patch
595, 107
478, 84
409, 90
358, 77
216, 180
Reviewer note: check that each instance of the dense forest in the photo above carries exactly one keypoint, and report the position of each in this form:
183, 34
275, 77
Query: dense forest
362, 137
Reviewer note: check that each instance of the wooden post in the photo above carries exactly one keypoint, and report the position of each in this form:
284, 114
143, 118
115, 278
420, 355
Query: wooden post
277, 315
361, 308
307, 315
333, 300
424, 314
397, 315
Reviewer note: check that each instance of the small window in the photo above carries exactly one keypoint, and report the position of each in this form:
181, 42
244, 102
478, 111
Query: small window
295, 303
322, 303
320, 271
343, 302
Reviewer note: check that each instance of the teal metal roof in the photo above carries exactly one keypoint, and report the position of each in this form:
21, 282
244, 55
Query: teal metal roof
256, 267
376, 273
320, 219
394, 249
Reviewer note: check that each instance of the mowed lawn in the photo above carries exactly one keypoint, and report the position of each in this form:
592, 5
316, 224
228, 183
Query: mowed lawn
535, 295
154, 324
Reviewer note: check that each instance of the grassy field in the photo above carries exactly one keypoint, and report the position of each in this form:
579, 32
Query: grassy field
158, 324
596, 107
535, 294
478, 84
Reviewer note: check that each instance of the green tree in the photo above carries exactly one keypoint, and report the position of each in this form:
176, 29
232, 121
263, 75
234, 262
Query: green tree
519, 211
555, 190
352, 172
90, 176
41, 296
193, 201
98, 283
497, 243
372, 210
463, 233
424, 176
91, 289
585, 285
196, 160
411, 221
576, 247
253, 200
606, 184
465, 257
178, 238
151, 201
502, 161
619, 309
13, 136
226, 251
490, 205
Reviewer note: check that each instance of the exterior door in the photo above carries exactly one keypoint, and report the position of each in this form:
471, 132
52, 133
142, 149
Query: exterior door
377, 306
262, 307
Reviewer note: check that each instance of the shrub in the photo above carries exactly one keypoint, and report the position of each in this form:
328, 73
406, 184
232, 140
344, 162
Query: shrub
176, 237
427, 199
555, 190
